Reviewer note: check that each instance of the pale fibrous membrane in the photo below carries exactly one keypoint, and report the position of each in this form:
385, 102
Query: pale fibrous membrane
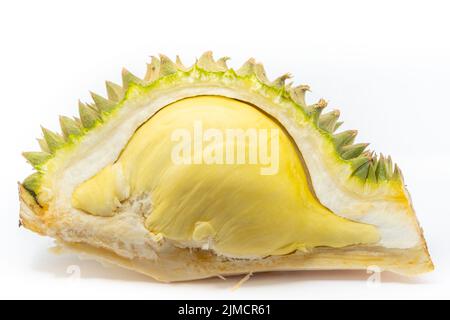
202, 171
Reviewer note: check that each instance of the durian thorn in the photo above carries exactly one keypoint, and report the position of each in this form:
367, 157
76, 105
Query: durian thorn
381, 169
375, 162
206, 59
353, 151
389, 167
128, 78
114, 91
36, 158
316, 110
358, 162
88, 115
32, 183
322, 104
304, 87
153, 67
167, 66
368, 154
43, 145
247, 68
260, 73
338, 125
344, 138
362, 171
222, 62
397, 175
70, 127
371, 175
207, 62
102, 104
180, 64
328, 120
280, 81
298, 94
54, 141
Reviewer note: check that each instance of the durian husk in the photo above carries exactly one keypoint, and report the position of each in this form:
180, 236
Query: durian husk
363, 172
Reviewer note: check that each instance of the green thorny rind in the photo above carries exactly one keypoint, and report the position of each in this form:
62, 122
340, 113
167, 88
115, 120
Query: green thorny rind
366, 166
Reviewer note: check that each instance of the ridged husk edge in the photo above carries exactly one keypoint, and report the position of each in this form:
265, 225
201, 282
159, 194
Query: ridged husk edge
366, 166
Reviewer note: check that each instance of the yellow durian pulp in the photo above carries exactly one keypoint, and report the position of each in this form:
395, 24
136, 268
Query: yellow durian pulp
237, 208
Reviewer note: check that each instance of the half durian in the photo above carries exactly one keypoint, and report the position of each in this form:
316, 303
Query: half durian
203, 171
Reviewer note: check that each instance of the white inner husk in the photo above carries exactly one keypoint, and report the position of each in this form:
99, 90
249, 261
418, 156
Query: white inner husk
125, 233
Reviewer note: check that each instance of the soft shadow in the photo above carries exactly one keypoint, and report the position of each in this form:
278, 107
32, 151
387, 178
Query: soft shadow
62, 266
271, 278
65, 265
264, 279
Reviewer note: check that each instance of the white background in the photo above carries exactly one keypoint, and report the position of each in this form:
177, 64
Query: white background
385, 64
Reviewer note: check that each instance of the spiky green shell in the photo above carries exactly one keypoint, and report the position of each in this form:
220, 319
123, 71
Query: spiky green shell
162, 72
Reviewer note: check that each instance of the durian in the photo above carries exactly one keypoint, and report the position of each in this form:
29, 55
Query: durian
203, 171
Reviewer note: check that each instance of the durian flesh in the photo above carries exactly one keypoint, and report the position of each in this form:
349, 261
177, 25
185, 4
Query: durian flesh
109, 186
233, 208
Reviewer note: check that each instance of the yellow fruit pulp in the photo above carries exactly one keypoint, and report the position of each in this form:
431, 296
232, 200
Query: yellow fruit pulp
240, 207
